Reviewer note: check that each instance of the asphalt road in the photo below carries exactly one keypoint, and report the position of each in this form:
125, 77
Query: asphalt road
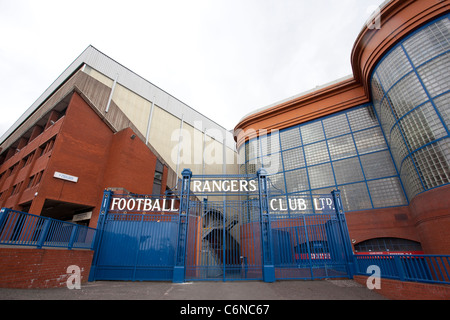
213, 291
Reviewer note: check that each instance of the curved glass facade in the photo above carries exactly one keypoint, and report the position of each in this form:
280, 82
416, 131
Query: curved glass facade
411, 96
345, 151
379, 155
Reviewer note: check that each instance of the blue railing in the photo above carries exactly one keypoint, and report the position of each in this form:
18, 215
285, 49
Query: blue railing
415, 268
24, 229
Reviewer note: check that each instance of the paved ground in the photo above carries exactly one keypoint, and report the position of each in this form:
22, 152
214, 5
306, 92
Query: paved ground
256, 291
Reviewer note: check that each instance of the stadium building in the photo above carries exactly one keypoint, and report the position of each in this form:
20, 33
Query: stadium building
379, 136
98, 126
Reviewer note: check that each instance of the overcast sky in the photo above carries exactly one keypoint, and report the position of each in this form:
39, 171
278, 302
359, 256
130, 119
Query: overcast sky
224, 58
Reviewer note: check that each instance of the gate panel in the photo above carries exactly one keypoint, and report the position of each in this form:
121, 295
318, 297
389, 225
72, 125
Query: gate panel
307, 246
222, 228
137, 247
223, 241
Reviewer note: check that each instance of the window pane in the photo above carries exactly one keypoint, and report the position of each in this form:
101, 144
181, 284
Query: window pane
355, 196
312, 132
342, 147
335, 126
321, 176
316, 153
442, 104
436, 75
393, 67
422, 126
406, 95
293, 159
270, 144
290, 138
386, 193
429, 42
369, 141
434, 160
296, 181
378, 165
362, 118
348, 170
276, 183
411, 180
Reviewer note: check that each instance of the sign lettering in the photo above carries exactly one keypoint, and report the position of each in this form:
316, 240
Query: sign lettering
145, 205
66, 177
201, 186
300, 204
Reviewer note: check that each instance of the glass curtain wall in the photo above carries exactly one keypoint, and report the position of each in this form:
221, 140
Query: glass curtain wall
411, 96
345, 151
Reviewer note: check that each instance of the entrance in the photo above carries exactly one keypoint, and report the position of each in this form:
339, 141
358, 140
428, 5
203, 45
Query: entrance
224, 238
222, 228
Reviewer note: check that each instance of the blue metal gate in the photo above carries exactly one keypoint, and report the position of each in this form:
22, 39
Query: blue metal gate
222, 228
223, 241
308, 247
134, 245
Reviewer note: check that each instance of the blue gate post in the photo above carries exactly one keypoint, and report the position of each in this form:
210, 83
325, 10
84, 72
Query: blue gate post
179, 273
107, 196
266, 238
343, 228
3, 215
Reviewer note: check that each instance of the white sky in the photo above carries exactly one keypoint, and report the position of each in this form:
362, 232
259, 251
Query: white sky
224, 58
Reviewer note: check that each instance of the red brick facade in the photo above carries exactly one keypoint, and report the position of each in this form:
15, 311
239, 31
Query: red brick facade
41, 268
80, 144
400, 290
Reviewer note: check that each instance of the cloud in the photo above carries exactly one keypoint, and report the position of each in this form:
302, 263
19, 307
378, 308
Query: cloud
223, 58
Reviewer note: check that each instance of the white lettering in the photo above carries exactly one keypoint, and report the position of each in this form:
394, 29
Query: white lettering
217, 186
147, 205
225, 186
291, 206
114, 203
172, 208
74, 281
297, 204
156, 206
129, 207
272, 206
206, 187
197, 185
281, 205
301, 204
253, 186
374, 22
374, 282
139, 201
316, 206
329, 203
234, 187
122, 207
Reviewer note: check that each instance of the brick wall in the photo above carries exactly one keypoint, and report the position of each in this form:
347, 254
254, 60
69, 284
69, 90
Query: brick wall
41, 268
398, 290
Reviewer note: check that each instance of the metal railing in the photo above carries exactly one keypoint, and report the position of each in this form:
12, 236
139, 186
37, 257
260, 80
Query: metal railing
24, 229
416, 268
